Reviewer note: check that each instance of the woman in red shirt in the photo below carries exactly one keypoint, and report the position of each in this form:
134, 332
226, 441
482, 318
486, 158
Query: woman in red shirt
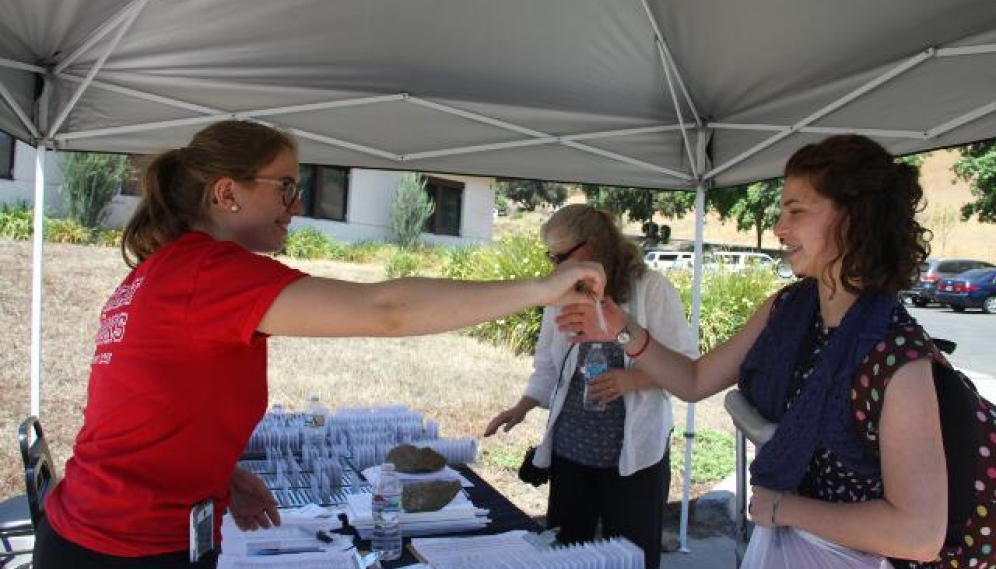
178, 378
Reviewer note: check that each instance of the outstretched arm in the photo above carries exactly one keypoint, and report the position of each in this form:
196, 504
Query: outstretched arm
314, 306
689, 379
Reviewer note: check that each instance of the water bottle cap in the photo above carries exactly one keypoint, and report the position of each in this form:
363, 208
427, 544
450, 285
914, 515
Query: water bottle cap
313, 398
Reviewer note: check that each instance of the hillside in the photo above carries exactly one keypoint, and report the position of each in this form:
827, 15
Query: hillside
945, 194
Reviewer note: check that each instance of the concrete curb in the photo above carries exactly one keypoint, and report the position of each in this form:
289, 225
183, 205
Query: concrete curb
717, 507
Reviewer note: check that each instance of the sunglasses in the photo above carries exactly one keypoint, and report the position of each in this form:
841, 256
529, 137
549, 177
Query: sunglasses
290, 190
558, 258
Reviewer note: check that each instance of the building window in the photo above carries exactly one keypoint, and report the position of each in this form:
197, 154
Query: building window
447, 195
325, 190
6, 156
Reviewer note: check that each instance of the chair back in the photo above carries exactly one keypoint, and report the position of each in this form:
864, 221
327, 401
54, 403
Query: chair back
39, 470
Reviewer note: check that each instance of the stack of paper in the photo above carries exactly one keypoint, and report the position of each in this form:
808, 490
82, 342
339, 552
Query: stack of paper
293, 544
466, 551
511, 550
457, 516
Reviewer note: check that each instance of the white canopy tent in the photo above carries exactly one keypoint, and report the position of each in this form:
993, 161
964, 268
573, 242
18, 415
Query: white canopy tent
646, 93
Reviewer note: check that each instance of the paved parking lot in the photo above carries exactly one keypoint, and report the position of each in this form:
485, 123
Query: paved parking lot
974, 331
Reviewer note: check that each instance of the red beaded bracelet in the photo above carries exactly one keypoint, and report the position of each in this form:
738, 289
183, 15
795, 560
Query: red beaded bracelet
643, 348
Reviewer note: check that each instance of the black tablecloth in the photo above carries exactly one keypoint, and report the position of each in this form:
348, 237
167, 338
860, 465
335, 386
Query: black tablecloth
504, 516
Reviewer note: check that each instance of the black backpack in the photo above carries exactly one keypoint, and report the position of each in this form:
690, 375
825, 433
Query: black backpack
963, 433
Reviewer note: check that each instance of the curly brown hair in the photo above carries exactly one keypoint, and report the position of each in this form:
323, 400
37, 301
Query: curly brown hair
619, 256
880, 243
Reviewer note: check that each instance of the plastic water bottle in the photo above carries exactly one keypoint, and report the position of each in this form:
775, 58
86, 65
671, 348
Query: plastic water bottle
277, 413
595, 364
386, 504
314, 421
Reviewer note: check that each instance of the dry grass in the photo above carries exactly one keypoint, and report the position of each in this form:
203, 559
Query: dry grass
452, 378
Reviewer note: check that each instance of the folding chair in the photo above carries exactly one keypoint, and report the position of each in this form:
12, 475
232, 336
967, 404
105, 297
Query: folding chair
20, 515
39, 471
16, 530
751, 426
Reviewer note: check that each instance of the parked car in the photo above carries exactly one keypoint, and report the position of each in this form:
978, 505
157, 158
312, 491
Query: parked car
972, 289
665, 260
932, 271
739, 261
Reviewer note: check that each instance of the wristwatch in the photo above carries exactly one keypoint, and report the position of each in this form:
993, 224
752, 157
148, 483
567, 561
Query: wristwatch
624, 336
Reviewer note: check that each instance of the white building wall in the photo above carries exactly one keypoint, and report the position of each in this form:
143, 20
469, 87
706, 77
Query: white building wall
21, 189
368, 208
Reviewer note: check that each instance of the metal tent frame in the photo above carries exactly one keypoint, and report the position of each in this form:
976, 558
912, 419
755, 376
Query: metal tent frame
75, 78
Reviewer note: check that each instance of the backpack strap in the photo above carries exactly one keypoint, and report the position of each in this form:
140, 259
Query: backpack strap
902, 344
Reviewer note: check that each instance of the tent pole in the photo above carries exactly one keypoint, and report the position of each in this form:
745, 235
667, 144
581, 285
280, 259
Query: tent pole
696, 314
98, 35
6, 96
38, 240
122, 29
843, 101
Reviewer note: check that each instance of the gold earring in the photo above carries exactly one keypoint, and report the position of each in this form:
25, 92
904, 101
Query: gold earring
235, 207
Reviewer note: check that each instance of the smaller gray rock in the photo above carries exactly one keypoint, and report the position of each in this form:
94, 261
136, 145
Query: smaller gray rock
412, 460
428, 496
669, 540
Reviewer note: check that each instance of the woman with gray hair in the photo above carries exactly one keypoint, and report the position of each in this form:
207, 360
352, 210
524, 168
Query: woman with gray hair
610, 466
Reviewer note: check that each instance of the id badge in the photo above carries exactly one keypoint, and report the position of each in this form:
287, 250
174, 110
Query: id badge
201, 529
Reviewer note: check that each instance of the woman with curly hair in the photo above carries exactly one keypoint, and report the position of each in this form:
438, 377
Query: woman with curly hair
835, 359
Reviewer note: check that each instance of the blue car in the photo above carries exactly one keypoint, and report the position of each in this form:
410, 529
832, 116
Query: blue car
971, 289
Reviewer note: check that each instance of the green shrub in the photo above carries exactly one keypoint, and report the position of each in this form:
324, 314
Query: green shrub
514, 257
501, 205
713, 455
403, 264
728, 301
67, 231
108, 237
89, 182
412, 208
457, 262
16, 223
308, 243
362, 252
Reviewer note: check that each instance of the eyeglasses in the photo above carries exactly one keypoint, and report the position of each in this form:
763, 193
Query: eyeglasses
558, 258
290, 190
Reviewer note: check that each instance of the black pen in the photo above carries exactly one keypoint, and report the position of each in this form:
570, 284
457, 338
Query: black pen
320, 534
286, 550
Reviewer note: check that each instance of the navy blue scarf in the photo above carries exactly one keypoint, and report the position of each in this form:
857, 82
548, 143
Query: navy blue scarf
821, 416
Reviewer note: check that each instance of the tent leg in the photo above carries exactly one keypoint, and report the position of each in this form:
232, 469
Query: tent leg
38, 240
696, 313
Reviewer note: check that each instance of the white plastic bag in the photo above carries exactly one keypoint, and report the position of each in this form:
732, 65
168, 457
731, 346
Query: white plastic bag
790, 548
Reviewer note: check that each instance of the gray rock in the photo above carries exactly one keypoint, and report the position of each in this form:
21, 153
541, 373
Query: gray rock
669, 540
411, 459
428, 496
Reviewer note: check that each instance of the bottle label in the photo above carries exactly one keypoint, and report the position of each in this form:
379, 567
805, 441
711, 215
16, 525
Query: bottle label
385, 506
591, 371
